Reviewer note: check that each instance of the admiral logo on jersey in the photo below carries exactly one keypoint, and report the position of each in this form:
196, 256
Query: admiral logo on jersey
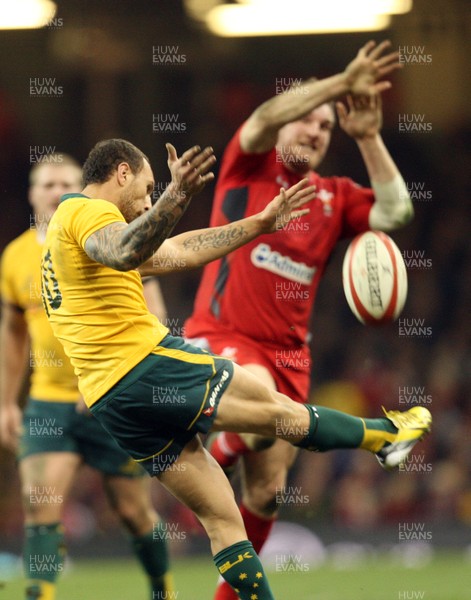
264, 257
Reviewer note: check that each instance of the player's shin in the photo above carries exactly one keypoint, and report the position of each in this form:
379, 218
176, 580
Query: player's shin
43, 557
331, 429
242, 569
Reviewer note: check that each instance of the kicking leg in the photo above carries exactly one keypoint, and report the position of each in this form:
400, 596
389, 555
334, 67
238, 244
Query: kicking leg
247, 405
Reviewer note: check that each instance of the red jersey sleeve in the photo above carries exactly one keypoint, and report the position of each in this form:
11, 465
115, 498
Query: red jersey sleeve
356, 208
240, 167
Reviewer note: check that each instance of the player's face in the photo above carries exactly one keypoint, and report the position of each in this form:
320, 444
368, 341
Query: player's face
51, 181
302, 144
135, 197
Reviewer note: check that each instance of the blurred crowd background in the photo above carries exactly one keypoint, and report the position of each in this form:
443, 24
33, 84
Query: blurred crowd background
102, 56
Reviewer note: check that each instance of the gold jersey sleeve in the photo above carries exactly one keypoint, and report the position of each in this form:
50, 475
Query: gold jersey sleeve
52, 375
98, 314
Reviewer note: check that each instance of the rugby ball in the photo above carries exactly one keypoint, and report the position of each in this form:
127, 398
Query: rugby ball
374, 278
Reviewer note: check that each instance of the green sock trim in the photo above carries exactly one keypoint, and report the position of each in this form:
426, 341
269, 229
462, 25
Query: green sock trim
306, 442
241, 568
44, 552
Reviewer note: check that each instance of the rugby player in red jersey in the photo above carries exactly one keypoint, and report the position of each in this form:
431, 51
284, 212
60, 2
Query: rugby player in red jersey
254, 304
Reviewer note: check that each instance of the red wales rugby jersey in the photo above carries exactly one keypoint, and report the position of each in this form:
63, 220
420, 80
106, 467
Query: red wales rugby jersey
266, 289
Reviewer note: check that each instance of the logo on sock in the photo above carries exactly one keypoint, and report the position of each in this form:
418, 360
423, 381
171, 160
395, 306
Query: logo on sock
228, 565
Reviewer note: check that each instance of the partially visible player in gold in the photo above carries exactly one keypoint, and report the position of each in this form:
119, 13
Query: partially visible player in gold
57, 434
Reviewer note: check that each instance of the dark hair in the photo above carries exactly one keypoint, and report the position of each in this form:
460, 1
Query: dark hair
105, 157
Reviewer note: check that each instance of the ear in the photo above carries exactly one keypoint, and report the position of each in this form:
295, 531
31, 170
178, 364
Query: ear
123, 172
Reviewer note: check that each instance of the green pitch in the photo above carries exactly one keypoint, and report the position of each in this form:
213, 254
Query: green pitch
447, 577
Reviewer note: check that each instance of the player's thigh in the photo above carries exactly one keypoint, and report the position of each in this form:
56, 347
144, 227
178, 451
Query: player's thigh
130, 497
249, 406
46, 479
262, 374
264, 475
199, 482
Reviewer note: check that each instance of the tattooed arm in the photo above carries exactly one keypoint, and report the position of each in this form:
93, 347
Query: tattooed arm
125, 247
196, 248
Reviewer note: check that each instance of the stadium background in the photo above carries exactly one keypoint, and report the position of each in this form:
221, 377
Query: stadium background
101, 57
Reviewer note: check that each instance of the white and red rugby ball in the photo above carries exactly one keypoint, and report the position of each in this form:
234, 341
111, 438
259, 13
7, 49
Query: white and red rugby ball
374, 278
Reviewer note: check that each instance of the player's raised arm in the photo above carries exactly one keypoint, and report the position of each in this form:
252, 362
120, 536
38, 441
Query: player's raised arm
194, 249
125, 247
362, 120
361, 76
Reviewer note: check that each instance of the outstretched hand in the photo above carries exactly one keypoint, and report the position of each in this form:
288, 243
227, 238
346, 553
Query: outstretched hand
363, 118
191, 172
283, 208
369, 66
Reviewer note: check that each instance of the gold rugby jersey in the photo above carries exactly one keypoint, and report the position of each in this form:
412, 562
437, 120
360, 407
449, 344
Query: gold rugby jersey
99, 314
52, 377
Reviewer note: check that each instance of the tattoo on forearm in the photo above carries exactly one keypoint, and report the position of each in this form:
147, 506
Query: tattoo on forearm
126, 247
219, 238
